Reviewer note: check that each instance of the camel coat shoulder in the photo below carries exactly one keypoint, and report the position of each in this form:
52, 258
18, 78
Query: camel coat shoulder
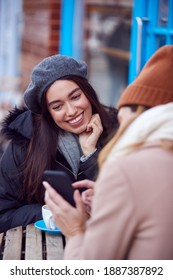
132, 210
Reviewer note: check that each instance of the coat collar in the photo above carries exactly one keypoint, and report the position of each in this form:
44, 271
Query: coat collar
17, 124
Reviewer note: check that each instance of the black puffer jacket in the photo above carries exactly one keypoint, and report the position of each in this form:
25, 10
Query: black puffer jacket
14, 212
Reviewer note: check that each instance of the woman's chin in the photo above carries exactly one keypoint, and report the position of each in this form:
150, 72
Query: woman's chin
78, 130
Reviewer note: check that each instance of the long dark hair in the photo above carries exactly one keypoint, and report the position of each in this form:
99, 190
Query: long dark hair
41, 153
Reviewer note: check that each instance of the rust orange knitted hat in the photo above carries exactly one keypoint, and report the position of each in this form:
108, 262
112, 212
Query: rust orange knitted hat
154, 84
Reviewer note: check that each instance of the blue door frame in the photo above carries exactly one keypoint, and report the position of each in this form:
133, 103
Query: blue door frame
66, 32
146, 34
71, 33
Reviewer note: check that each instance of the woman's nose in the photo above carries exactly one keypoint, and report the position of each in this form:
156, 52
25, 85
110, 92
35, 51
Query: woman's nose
70, 110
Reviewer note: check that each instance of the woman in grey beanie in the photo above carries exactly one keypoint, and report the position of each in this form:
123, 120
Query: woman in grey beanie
63, 128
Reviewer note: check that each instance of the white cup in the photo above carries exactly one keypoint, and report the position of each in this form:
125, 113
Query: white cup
48, 217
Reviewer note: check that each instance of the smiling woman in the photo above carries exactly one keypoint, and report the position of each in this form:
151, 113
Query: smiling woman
68, 106
63, 128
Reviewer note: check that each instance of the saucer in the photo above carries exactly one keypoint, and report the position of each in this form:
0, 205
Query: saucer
41, 225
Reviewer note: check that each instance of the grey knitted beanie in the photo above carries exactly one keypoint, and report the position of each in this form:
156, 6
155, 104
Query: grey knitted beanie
46, 73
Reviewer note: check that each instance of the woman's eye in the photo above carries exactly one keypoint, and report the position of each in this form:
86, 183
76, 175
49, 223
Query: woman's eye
75, 97
57, 107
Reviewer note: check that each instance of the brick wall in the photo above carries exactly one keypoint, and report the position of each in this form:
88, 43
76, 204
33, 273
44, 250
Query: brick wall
41, 26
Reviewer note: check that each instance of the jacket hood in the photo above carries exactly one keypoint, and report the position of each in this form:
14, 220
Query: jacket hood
17, 124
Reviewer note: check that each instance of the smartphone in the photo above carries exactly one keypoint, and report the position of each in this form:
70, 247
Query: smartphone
61, 182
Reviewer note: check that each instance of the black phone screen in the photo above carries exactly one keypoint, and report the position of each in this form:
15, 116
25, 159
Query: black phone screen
61, 182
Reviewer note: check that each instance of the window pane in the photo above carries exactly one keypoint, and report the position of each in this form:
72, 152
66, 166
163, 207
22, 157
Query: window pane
163, 13
107, 47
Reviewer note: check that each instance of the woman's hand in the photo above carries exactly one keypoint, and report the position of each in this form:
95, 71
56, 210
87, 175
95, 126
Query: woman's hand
87, 196
89, 138
69, 219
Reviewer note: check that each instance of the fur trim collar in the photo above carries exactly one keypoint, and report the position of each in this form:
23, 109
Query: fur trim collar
17, 124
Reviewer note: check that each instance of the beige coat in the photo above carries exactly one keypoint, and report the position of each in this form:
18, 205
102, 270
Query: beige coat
132, 215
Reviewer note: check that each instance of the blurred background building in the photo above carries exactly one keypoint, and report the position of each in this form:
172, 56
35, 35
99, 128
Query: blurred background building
114, 37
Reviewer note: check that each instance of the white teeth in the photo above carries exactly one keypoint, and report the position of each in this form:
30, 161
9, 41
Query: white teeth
76, 119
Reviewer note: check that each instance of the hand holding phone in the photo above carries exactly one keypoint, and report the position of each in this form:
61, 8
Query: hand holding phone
61, 182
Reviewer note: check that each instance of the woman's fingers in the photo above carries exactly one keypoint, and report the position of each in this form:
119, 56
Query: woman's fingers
87, 197
80, 205
84, 184
89, 138
95, 125
78, 200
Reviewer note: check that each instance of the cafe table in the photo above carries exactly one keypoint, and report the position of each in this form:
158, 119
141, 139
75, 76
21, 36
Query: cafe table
31, 243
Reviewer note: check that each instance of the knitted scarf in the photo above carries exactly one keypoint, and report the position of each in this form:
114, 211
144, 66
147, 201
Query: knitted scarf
68, 145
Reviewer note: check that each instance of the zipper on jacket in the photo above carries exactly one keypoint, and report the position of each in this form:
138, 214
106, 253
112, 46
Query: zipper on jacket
75, 175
